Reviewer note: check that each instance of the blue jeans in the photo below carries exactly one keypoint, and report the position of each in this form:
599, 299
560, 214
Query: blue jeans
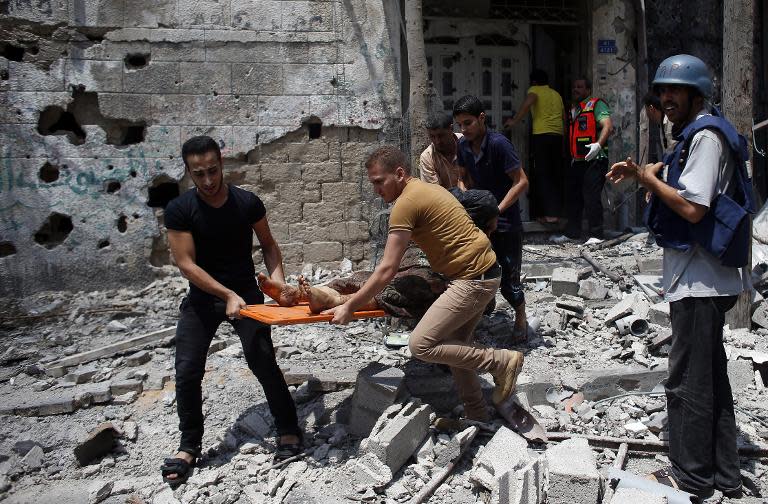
508, 246
194, 332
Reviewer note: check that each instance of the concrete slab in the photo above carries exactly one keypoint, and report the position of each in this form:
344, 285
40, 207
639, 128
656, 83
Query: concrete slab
565, 281
505, 453
377, 387
573, 475
398, 433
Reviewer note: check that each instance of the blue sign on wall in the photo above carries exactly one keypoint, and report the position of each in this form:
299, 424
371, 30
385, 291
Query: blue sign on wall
607, 46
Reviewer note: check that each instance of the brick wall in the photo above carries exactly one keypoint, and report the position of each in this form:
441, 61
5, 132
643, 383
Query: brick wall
97, 97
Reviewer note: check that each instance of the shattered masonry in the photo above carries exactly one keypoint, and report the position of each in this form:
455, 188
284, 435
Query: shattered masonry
97, 98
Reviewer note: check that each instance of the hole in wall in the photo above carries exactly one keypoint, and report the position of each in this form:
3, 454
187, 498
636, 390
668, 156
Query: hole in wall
136, 60
11, 52
54, 230
314, 127
49, 173
122, 224
112, 186
56, 121
103, 244
162, 190
7, 248
84, 110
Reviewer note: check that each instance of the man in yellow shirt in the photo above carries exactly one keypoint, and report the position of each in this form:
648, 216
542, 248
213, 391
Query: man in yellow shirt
435, 220
546, 107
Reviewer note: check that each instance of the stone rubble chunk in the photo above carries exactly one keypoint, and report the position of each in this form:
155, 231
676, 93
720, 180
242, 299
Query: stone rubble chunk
116, 326
130, 431
592, 289
398, 432
636, 496
506, 452
206, 478
81, 374
565, 281
367, 471
34, 458
659, 314
523, 486
98, 491
98, 443
255, 425
377, 388
138, 358
573, 475
634, 303
125, 386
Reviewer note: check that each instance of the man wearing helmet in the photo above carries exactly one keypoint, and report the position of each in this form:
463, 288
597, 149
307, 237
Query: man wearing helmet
700, 285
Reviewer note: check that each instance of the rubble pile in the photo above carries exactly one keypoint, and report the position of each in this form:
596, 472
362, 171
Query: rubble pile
88, 410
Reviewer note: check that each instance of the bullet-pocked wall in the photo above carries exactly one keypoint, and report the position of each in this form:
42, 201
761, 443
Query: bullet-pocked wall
97, 98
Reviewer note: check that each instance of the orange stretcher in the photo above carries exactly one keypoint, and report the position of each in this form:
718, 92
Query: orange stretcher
273, 314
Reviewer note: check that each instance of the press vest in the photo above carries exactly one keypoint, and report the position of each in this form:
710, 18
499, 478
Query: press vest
583, 129
724, 229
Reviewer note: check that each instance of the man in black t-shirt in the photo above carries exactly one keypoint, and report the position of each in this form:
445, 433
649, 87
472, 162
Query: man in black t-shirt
210, 232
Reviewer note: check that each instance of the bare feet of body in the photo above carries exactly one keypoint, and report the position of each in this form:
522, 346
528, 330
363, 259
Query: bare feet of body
322, 297
284, 294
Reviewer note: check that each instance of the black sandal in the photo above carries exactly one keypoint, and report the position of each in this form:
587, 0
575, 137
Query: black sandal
665, 477
288, 450
178, 466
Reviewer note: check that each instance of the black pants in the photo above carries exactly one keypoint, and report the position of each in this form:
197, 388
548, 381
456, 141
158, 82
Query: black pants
702, 426
508, 246
585, 191
196, 328
547, 178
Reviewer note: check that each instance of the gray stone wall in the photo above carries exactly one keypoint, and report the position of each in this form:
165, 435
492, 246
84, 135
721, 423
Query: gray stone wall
96, 98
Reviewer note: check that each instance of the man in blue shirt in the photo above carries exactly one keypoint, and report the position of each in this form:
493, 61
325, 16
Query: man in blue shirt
489, 161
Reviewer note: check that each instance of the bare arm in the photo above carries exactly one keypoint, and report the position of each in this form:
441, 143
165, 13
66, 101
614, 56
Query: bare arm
519, 186
607, 130
530, 99
688, 210
397, 243
183, 250
273, 258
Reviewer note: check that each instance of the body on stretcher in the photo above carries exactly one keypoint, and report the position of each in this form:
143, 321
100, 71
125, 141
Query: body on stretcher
273, 314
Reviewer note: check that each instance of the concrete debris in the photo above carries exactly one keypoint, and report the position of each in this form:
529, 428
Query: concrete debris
635, 496
99, 442
377, 388
573, 475
343, 380
398, 432
505, 453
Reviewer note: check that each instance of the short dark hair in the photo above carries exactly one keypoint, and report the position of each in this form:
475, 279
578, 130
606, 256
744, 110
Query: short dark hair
652, 99
587, 81
199, 145
539, 76
439, 120
389, 158
468, 105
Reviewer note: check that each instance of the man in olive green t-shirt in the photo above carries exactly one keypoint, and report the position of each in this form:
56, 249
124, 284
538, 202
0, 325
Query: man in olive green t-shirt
435, 220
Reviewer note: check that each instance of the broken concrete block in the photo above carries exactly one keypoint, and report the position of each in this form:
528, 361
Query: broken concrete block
157, 380
571, 303
255, 425
130, 431
659, 314
447, 450
98, 443
368, 471
398, 432
524, 486
505, 453
41, 406
81, 374
125, 386
760, 315
97, 393
592, 289
649, 265
741, 374
636, 496
634, 303
34, 458
662, 338
98, 491
377, 388
565, 281
138, 358
573, 475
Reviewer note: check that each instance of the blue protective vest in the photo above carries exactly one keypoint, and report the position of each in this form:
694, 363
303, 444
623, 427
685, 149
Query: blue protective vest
724, 229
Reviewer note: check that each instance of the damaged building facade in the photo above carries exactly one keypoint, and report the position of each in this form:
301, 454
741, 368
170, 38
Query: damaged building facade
97, 98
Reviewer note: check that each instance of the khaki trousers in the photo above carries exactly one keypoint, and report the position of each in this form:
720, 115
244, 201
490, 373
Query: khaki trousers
445, 335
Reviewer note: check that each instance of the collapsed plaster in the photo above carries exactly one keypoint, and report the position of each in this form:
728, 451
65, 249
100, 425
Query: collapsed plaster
97, 101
